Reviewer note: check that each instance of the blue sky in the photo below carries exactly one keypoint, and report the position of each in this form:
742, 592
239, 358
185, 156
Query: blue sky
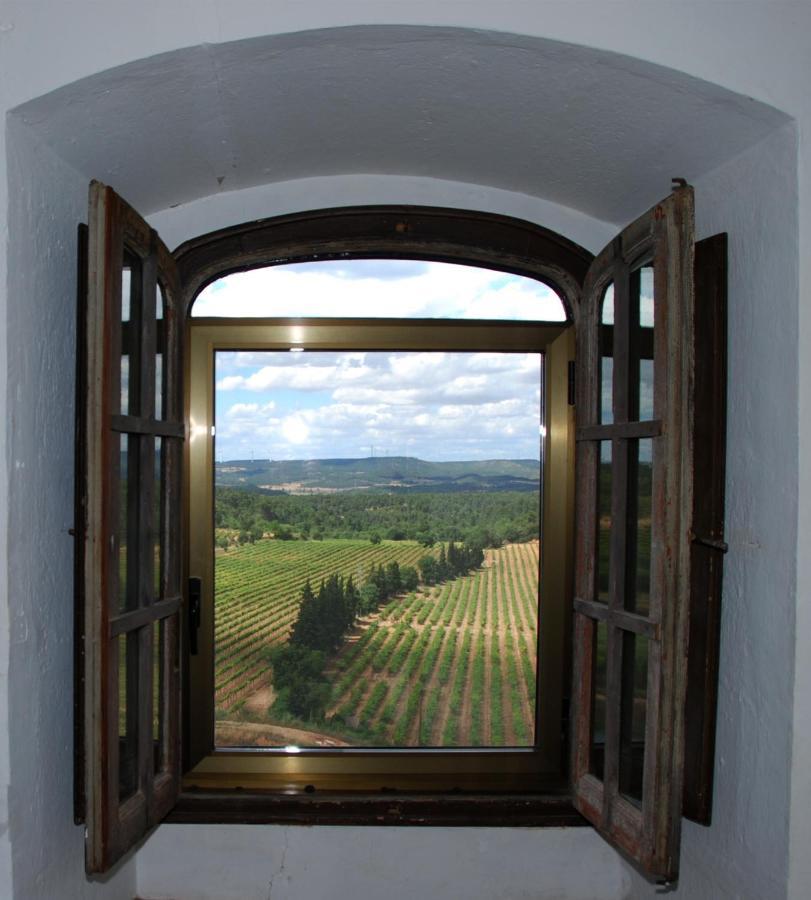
439, 406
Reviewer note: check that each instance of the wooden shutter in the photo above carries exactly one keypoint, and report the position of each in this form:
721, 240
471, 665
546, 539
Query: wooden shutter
132, 431
634, 511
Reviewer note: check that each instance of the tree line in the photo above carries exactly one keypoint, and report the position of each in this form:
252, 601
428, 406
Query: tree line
485, 519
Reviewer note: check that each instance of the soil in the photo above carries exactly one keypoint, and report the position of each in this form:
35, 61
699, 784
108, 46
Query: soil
254, 734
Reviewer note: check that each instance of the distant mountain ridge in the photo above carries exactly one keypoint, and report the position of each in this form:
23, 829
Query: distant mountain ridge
382, 473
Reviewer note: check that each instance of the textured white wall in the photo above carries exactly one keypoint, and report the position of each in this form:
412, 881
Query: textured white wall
47, 203
44, 45
294, 863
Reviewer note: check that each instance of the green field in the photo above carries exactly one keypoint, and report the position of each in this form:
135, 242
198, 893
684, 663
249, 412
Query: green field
257, 593
447, 665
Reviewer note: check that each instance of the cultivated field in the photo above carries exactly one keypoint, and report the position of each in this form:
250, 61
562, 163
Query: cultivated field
451, 665
257, 594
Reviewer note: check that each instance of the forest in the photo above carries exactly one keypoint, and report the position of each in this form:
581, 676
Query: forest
485, 519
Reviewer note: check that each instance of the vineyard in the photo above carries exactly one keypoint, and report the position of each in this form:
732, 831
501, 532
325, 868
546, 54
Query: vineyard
258, 588
450, 665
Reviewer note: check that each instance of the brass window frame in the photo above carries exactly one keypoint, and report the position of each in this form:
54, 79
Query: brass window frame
469, 769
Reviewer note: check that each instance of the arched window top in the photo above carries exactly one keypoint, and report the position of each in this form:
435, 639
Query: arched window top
380, 288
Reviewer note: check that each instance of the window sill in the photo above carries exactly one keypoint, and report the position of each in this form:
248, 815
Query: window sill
396, 808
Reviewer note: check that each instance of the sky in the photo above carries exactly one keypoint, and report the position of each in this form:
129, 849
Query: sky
377, 288
436, 406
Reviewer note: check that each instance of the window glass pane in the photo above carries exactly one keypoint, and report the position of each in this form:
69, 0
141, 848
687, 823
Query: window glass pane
124, 574
603, 562
642, 340
640, 493
632, 715
606, 357
127, 714
157, 518
375, 288
160, 332
126, 288
125, 384
376, 558
130, 314
598, 700
158, 695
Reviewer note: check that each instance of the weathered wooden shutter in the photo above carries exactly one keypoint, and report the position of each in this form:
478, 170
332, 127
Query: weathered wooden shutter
132, 431
635, 397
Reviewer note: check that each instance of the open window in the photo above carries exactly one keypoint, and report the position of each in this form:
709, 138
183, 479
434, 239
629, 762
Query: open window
635, 411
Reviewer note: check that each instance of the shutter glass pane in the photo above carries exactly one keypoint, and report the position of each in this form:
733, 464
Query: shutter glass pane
607, 357
603, 561
640, 492
158, 688
125, 593
160, 331
598, 700
127, 714
157, 518
126, 289
632, 714
642, 314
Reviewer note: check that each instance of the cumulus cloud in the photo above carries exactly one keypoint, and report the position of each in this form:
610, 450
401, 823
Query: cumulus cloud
374, 288
432, 405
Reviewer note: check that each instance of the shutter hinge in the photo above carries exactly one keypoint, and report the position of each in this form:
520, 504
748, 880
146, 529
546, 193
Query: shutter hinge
571, 382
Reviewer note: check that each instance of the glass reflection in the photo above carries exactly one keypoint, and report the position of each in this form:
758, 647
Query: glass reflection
606, 357
633, 710
598, 700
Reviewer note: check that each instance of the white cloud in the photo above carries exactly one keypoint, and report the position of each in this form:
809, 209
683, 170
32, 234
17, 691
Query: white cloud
375, 288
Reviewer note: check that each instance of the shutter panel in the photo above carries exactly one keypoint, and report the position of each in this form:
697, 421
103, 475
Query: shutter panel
634, 510
132, 428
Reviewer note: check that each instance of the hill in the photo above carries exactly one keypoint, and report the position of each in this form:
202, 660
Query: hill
390, 474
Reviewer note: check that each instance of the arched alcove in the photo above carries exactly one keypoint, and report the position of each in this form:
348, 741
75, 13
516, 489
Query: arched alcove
573, 138
584, 129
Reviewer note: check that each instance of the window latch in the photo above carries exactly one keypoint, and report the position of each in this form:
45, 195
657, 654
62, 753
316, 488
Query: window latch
195, 594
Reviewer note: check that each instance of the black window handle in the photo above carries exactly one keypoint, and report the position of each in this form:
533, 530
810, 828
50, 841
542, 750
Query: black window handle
195, 594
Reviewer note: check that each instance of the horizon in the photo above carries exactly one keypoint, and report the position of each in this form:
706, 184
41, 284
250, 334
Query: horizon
259, 459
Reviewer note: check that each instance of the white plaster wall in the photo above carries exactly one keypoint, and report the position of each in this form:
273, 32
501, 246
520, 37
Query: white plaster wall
234, 207
47, 849
300, 863
745, 852
759, 49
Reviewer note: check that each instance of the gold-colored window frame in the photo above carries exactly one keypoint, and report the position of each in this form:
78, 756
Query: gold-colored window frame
538, 768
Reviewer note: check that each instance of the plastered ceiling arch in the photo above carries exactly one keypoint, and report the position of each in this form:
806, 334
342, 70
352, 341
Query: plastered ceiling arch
586, 129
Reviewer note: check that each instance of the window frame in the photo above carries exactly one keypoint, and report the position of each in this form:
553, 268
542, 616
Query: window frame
400, 232
393, 768
453, 236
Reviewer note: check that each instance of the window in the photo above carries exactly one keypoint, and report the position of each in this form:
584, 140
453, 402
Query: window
635, 560
487, 355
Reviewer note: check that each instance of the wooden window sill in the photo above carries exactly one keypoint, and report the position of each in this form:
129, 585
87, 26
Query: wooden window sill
383, 808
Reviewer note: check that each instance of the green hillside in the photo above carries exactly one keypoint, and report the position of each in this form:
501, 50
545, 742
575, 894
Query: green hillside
392, 473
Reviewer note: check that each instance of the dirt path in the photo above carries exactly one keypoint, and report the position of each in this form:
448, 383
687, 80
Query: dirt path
254, 734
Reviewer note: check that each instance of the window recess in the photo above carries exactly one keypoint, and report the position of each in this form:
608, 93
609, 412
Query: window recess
641, 581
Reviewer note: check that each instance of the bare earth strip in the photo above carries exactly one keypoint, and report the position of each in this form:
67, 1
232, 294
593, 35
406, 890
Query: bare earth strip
473, 624
505, 624
460, 626
489, 606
